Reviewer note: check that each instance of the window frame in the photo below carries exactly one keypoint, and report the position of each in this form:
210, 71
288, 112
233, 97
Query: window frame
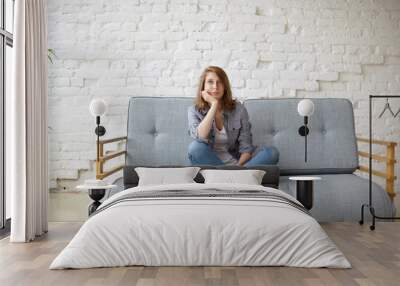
6, 39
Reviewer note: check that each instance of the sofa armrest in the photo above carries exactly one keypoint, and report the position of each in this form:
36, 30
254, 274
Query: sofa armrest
103, 158
388, 159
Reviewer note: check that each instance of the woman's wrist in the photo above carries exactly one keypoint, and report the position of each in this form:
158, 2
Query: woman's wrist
244, 157
213, 108
214, 104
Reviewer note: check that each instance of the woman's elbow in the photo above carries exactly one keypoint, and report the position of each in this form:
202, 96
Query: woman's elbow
201, 134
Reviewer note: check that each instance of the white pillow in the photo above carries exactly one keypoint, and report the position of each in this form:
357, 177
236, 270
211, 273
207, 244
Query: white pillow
249, 177
162, 176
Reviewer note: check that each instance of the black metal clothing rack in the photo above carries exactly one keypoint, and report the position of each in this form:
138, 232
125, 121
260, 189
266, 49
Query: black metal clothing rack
369, 205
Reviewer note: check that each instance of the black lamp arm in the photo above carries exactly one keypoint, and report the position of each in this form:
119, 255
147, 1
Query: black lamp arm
99, 131
303, 131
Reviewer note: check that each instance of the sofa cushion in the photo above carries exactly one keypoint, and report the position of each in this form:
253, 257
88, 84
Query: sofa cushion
332, 146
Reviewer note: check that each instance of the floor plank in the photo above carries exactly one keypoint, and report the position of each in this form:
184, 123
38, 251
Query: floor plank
374, 255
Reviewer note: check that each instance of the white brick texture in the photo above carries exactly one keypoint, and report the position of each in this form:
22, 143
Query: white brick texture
269, 48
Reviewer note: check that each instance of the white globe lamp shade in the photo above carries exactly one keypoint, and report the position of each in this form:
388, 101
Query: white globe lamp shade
97, 107
305, 107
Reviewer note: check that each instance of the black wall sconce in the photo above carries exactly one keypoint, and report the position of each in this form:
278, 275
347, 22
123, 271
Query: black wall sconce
98, 108
305, 108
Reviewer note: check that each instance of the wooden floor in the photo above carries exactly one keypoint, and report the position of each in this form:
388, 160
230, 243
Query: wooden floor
375, 257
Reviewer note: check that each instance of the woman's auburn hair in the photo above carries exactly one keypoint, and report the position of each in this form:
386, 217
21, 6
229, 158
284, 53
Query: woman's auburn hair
228, 103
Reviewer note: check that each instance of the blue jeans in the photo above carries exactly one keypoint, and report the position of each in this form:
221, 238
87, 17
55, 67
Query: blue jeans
201, 153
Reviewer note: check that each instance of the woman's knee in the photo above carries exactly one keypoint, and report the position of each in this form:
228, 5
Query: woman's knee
272, 153
197, 148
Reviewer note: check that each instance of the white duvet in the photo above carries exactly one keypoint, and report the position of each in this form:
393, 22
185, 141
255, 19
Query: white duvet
200, 231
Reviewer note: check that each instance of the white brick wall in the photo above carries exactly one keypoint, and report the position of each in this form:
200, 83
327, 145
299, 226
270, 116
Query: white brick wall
269, 48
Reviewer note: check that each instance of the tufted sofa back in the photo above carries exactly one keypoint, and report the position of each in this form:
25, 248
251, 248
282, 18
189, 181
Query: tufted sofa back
158, 133
332, 146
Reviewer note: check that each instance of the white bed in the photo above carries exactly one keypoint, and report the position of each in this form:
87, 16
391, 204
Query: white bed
206, 230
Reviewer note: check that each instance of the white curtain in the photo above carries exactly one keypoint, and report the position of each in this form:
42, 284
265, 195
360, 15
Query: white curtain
28, 116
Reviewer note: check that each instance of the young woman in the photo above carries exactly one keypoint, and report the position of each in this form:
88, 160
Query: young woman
221, 128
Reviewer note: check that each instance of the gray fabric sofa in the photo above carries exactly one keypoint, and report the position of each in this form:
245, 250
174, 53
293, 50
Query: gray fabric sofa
158, 135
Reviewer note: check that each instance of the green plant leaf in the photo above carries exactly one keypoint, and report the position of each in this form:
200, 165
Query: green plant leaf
51, 54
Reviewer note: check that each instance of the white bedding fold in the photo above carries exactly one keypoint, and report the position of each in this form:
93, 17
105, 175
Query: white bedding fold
200, 231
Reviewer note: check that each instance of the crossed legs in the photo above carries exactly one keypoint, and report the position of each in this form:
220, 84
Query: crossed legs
201, 153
